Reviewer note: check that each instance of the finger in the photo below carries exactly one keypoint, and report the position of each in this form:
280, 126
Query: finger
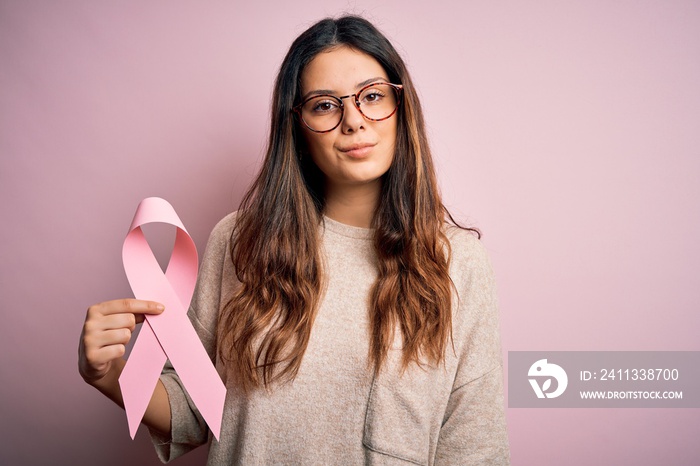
98, 357
99, 323
115, 321
120, 306
106, 338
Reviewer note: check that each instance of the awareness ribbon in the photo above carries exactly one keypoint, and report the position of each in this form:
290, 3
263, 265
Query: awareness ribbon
169, 335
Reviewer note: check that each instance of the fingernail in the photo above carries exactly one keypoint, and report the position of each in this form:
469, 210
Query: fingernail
160, 307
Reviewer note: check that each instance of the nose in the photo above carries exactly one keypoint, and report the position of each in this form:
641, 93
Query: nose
353, 119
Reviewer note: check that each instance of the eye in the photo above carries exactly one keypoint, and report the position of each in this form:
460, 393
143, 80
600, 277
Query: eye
372, 95
321, 106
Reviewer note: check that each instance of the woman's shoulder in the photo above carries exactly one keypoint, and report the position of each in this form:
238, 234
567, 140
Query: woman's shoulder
221, 233
227, 223
465, 244
220, 239
469, 258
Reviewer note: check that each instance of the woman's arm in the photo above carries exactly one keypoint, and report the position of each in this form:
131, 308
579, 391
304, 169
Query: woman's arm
474, 427
216, 276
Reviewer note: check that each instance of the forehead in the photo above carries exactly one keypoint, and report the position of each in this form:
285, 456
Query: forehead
340, 70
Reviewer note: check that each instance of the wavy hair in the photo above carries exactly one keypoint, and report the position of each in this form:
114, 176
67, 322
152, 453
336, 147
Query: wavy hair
264, 330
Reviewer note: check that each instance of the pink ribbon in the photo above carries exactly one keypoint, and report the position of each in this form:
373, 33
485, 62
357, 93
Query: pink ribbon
170, 334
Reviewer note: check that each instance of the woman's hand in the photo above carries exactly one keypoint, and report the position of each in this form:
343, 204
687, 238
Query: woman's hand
107, 330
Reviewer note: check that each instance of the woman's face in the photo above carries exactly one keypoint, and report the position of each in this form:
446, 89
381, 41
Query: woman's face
358, 151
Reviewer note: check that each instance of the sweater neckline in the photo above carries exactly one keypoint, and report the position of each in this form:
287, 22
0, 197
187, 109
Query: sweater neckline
347, 230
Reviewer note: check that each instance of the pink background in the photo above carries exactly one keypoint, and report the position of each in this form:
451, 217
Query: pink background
568, 132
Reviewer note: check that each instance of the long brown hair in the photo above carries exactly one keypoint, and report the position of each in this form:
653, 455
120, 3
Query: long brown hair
263, 331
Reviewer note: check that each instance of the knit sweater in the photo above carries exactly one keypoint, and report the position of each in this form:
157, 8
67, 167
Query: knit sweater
335, 411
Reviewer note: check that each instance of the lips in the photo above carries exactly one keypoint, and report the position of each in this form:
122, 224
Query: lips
358, 150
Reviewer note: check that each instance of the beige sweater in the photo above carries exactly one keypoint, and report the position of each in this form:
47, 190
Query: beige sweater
335, 412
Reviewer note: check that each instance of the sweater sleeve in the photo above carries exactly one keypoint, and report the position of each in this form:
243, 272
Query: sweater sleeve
188, 428
474, 429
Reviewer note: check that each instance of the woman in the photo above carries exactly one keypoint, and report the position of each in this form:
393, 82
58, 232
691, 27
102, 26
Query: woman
349, 321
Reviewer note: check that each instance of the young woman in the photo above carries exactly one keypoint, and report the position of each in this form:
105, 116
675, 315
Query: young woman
351, 323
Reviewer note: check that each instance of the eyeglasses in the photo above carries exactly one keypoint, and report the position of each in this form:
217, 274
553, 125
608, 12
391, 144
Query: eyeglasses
376, 102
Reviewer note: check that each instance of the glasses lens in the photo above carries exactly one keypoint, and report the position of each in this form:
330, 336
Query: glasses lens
322, 113
378, 101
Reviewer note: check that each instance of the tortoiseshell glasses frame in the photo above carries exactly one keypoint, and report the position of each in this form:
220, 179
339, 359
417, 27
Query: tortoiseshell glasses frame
397, 88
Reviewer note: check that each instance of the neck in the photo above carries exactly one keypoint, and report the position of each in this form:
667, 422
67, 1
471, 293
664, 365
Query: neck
352, 205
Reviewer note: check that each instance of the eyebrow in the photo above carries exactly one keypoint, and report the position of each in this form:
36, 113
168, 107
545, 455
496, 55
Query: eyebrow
332, 92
